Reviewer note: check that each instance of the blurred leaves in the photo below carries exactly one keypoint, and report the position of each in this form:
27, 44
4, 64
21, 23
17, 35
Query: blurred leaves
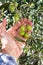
5, 6
14, 10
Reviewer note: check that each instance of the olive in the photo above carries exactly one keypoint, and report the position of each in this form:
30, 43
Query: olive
22, 33
16, 4
28, 27
16, 17
22, 28
11, 7
26, 35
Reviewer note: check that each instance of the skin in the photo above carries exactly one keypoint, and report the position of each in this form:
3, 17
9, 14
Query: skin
12, 46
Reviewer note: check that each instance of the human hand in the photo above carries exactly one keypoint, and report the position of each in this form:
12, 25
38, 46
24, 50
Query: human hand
11, 45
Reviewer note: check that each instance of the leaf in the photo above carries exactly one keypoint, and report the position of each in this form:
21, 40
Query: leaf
5, 5
19, 39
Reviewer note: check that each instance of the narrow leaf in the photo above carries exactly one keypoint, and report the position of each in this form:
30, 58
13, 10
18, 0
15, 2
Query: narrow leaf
19, 39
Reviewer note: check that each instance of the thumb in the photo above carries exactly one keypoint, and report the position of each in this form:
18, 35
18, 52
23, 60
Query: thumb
3, 25
4, 22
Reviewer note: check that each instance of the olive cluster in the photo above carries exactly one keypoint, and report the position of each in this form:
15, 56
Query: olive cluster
25, 31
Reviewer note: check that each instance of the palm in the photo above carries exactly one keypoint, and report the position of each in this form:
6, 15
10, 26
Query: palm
12, 47
12, 44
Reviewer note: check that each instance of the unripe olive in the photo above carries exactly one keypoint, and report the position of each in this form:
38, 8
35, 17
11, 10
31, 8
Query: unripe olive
28, 27
16, 17
16, 4
26, 35
11, 7
22, 28
22, 33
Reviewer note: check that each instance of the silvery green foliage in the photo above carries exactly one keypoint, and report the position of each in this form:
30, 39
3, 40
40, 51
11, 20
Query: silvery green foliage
33, 10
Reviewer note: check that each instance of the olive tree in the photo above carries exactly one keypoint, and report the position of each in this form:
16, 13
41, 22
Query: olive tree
14, 10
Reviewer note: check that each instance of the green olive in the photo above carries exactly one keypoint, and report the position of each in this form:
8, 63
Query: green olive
22, 28
11, 7
26, 35
22, 33
16, 4
16, 17
29, 28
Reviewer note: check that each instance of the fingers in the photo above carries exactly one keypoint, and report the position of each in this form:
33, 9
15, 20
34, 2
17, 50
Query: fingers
4, 22
13, 30
26, 21
30, 22
0, 30
16, 26
10, 47
23, 21
2, 27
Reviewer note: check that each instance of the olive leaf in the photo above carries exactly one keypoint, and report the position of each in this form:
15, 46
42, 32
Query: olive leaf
19, 39
5, 6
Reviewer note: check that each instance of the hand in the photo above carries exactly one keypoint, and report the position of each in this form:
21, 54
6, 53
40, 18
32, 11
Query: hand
9, 45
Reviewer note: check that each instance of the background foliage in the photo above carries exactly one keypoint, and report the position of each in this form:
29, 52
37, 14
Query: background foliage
14, 10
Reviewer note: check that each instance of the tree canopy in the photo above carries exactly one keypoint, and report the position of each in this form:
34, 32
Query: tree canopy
13, 11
